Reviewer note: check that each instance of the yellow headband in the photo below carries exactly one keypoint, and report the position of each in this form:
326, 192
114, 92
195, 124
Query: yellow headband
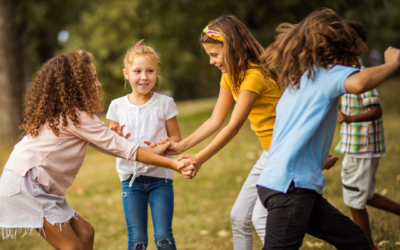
213, 34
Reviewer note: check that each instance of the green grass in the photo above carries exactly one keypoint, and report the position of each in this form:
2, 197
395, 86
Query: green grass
202, 205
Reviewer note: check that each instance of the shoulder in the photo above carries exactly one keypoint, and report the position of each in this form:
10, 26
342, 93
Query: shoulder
118, 101
163, 98
340, 70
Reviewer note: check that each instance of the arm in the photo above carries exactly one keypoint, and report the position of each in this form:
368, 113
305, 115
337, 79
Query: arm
372, 77
221, 110
246, 100
375, 112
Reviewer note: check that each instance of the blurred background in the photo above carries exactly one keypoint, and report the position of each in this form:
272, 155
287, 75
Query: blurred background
33, 31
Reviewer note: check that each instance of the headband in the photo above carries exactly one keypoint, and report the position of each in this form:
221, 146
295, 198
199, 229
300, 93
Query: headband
213, 34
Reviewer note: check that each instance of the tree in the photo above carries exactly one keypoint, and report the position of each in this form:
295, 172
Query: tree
28, 38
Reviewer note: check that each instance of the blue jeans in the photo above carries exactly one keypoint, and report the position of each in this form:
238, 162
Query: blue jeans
160, 194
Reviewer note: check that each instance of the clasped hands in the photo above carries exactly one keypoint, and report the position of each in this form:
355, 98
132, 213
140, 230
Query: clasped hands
185, 164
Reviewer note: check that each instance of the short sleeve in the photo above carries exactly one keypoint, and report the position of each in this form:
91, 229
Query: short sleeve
225, 82
112, 112
171, 110
253, 82
335, 78
370, 98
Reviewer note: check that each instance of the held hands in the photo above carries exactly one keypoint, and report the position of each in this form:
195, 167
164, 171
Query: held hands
196, 163
343, 118
120, 131
186, 168
330, 162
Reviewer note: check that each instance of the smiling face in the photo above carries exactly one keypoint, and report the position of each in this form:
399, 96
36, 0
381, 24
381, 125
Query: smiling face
142, 75
216, 53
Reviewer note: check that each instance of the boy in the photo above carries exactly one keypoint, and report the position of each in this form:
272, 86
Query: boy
363, 143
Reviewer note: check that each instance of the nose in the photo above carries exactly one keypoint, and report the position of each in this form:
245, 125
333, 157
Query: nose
212, 61
144, 75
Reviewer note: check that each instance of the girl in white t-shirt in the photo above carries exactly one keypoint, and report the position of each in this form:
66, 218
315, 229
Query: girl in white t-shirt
149, 118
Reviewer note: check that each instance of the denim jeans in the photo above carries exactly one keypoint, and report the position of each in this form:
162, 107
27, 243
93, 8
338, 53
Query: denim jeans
160, 194
300, 211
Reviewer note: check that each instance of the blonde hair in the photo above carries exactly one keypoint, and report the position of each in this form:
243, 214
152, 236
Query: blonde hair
142, 50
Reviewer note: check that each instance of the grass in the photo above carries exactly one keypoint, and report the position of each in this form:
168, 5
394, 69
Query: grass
202, 205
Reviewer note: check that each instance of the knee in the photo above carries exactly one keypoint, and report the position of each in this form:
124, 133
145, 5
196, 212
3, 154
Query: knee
237, 218
165, 241
87, 234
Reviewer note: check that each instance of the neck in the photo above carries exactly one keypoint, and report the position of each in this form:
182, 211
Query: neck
139, 99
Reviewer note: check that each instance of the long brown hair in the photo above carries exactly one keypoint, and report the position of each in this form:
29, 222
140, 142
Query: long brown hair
322, 39
62, 86
240, 48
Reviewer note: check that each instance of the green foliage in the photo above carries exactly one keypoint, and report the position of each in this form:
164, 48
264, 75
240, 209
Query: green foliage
109, 28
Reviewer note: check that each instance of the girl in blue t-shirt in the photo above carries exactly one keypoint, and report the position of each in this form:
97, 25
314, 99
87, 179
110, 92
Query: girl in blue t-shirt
314, 59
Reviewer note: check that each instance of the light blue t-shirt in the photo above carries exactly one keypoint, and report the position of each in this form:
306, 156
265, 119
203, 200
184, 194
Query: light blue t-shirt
303, 131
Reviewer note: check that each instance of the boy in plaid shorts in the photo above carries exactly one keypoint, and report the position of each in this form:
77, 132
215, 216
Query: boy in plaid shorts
363, 143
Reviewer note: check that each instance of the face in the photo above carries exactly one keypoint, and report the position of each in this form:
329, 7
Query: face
94, 74
216, 53
142, 75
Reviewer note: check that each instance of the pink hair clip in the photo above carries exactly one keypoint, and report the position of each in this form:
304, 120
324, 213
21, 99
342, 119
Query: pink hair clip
137, 45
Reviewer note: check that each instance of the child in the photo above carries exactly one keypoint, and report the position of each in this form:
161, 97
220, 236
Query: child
256, 94
149, 116
363, 143
315, 59
59, 124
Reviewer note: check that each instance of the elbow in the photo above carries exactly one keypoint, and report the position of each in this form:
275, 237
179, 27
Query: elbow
361, 86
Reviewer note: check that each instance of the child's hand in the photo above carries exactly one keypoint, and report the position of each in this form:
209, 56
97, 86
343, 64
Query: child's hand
164, 140
160, 149
392, 55
119, 130
186, 168
196, 163
343, 118
175, 149
330, 162
150, 144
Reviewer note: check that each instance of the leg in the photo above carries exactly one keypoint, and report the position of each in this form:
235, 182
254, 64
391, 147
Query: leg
135, 202
65, 239
328, 224
381, 202
358, 177
242, 211
260, 214
161, 199
361, 218
288, 216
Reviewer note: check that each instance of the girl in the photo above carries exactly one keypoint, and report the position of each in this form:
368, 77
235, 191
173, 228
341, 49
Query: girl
315, 58
234, 51
59, 124
148, 116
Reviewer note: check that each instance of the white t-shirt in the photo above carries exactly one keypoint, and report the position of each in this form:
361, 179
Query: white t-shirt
145, 123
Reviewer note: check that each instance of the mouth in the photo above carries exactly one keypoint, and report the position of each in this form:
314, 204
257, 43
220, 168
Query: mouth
144, 84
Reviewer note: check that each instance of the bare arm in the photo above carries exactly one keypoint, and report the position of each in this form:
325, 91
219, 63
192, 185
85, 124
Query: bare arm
221, 110
372, 77
173, 129
246, 100
374, 113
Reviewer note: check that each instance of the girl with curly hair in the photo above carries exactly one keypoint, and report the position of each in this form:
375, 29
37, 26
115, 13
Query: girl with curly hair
314, 59
59, 124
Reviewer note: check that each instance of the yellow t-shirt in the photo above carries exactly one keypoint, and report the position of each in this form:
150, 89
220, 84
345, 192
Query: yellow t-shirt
262, 115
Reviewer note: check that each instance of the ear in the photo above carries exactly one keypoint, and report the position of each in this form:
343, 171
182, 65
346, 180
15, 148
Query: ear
125, 74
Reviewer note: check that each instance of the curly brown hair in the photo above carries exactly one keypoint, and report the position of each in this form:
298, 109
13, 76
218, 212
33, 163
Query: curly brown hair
322, 39
240, 48
62, 86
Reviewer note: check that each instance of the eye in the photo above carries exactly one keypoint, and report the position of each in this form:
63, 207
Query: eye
151, 70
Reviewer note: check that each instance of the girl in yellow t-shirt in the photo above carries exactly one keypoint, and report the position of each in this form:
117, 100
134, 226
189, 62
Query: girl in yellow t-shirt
256, 95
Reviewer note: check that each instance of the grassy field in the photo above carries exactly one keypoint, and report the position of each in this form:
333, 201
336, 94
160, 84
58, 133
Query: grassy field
202, 205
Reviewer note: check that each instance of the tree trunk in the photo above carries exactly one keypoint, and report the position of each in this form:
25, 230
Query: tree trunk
14, 72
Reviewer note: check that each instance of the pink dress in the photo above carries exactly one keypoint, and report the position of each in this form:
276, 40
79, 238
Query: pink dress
40, 170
